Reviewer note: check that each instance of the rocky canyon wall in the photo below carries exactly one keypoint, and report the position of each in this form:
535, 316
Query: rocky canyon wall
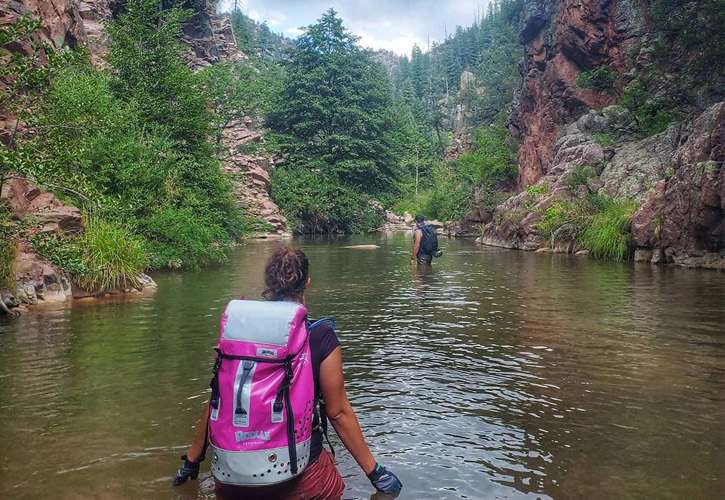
563, 38
675, 177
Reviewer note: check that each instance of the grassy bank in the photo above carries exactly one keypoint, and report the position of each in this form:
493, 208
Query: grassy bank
597, 223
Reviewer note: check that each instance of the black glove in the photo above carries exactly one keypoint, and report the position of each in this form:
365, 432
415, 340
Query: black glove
188, 470
384, 480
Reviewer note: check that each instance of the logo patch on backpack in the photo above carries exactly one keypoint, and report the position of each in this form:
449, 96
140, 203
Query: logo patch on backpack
266, 352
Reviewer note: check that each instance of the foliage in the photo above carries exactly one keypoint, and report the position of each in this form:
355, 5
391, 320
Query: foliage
537, 189
334, 126
605, 140
314, 204
490, 167
598, 223
602, 78
148, 70
237, 91
7, 250
66, 253
256, 40
416, 204
652, 115
695, 26
578, 176
133, 141
179, 237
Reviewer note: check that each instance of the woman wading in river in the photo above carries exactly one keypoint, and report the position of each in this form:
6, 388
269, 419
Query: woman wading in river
286, 277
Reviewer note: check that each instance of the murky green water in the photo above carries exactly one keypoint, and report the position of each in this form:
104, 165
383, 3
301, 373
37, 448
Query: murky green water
499, 374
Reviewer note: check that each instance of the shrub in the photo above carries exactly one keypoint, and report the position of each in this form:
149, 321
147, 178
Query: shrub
537, 189
315, 204
134, 140
178, 237
66, 253
7, 250
652, 115
416, 204
605, 140
490, 167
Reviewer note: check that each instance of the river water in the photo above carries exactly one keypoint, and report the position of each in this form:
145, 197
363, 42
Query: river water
497, 374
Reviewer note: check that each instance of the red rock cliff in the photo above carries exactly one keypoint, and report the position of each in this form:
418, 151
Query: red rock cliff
563, 38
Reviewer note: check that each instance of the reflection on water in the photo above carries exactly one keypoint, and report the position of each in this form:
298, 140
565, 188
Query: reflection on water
492, 374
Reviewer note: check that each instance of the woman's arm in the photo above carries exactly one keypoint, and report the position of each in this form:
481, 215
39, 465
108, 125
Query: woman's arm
193, 457
340, 413
197, 445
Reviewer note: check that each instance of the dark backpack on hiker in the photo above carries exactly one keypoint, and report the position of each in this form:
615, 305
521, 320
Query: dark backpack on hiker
429, 241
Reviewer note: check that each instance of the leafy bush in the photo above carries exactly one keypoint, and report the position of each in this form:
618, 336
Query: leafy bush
314, 204
179, 237
651, 115
490, 167
605, 140
66, 253
420, 204
7, 250
133, 140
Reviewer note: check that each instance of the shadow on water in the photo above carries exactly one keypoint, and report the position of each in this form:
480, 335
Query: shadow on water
491, 374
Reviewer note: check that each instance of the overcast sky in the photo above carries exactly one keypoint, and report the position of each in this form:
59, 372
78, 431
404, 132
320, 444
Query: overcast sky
393, 24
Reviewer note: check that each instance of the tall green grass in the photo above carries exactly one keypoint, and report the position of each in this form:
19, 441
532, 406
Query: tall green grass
597, 222
105, 256
608, 235
114, 257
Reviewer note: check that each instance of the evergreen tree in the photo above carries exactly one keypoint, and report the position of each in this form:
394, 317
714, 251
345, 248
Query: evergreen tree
334, 120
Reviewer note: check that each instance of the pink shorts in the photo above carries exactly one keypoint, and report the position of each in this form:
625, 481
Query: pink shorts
319, 481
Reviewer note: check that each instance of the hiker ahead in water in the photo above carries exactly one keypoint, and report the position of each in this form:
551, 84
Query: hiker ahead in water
425, 242
274, 368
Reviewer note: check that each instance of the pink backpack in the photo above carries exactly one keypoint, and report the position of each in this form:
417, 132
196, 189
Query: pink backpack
262, 402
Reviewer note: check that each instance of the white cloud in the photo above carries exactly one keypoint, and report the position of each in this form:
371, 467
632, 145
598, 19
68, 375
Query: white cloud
294, 32
401, 45
381, 24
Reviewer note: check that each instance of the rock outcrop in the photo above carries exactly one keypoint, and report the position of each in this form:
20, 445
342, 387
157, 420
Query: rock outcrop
569, 133
677, 178
248, 165
41, 212
563, 38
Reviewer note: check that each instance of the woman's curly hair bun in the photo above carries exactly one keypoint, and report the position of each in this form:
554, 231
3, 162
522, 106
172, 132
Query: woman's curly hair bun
286, 273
